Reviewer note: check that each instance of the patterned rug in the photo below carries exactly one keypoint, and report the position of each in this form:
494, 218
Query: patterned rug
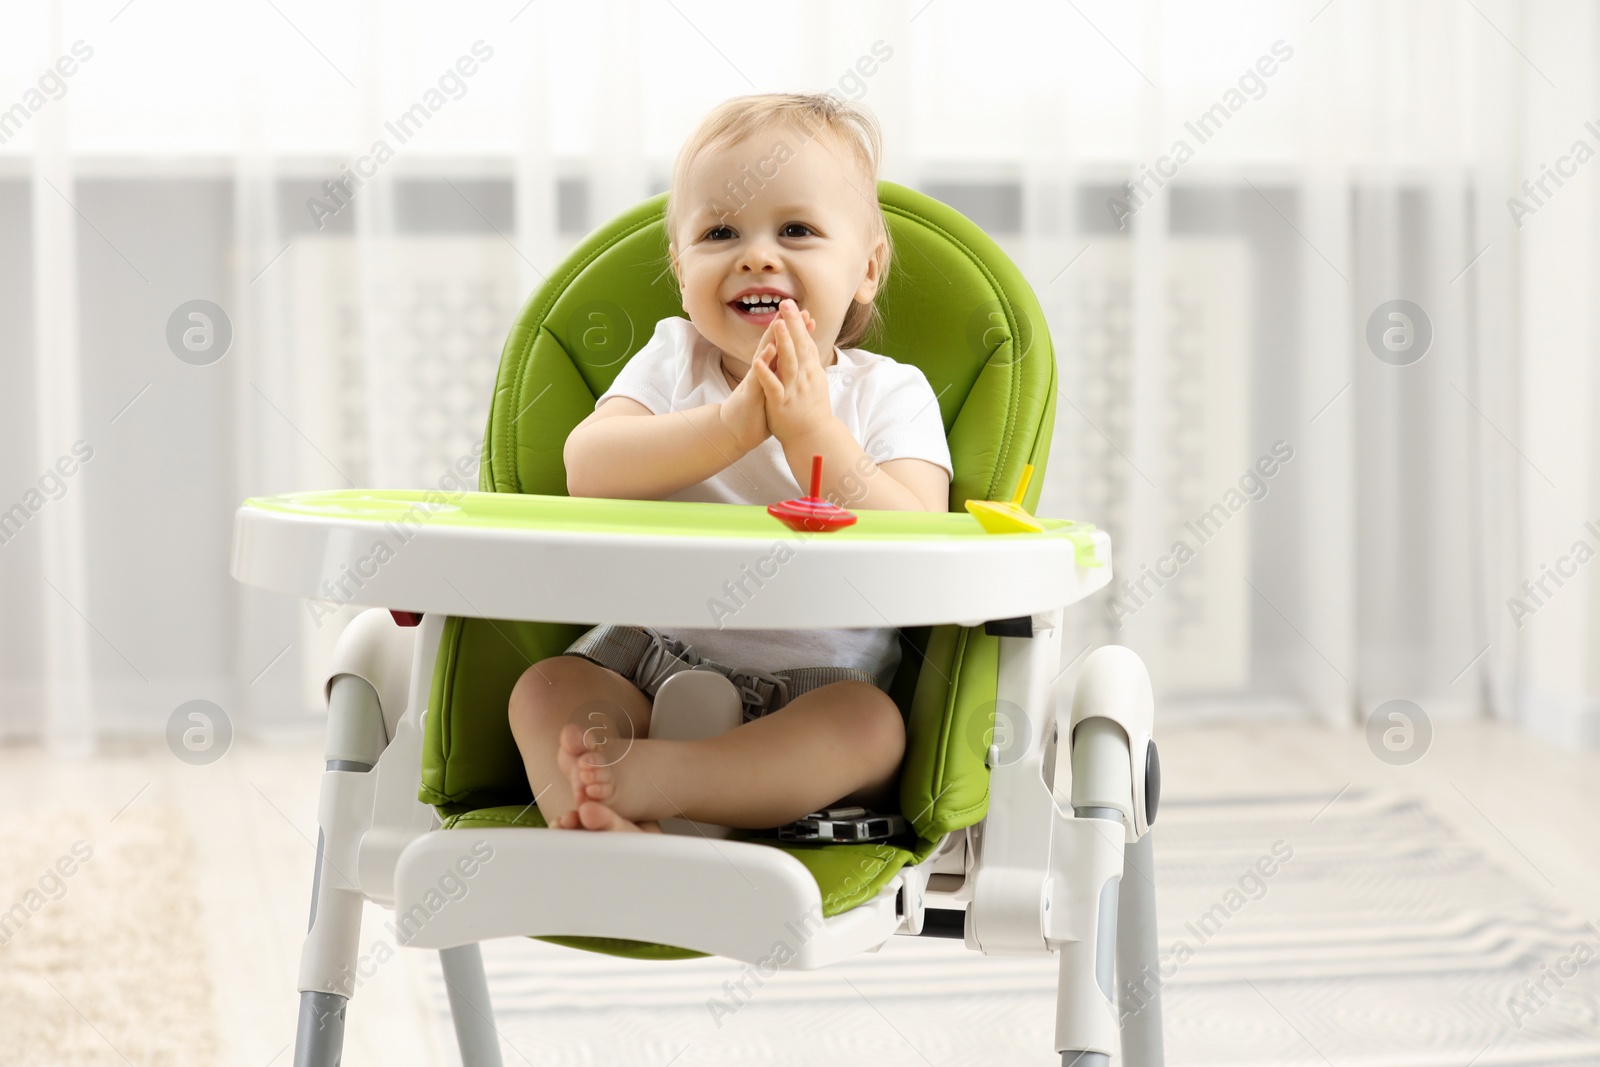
1365, 933
100, 963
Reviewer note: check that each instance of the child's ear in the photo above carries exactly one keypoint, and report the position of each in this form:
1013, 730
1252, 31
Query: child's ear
874, 277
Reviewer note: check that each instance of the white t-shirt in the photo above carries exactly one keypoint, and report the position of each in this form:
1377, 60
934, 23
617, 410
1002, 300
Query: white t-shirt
888, 407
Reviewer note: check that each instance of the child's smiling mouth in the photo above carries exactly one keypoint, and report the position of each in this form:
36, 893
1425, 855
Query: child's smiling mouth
758, 305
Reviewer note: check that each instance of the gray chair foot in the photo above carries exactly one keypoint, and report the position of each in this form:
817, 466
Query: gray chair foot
1139, 959
1085, 1059
469, 1005
319, 1038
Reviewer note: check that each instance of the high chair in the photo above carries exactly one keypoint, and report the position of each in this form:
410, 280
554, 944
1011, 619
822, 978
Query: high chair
423, 781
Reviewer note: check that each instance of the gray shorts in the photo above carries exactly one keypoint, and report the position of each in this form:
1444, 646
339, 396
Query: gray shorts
648, 657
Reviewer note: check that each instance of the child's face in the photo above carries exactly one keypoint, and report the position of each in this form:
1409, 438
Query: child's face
772, 213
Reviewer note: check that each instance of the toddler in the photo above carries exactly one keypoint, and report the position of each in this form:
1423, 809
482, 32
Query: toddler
779, 247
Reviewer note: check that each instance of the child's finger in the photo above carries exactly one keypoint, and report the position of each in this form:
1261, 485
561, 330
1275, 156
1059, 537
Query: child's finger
753, 361
767, 335
796, 349
788, 358
789, 312
799, 330
758, 361
769, 381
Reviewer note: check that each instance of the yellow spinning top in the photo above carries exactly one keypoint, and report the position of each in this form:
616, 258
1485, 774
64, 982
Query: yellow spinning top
999, 516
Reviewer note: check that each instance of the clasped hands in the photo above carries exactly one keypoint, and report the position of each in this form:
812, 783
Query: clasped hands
785, 393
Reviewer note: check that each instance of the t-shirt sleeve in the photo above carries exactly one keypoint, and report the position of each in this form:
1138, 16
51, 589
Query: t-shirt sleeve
650, 375
904, 422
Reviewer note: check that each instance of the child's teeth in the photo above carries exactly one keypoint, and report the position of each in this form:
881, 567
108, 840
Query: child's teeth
760, 303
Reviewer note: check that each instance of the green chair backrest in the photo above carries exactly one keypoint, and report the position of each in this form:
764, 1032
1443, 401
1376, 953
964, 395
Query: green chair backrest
953, 304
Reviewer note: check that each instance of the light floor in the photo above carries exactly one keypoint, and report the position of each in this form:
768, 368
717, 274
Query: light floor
1529, 807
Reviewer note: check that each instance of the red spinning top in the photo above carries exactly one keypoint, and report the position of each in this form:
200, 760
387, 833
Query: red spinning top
812, 512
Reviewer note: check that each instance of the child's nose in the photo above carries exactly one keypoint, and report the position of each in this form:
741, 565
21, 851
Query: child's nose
760, 256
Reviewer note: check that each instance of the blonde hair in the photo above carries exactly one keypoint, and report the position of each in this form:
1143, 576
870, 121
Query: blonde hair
851, 125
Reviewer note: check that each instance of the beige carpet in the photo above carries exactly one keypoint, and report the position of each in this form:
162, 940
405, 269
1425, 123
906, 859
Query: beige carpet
101, 962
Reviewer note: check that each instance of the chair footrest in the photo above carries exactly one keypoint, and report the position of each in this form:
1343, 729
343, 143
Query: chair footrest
734, 899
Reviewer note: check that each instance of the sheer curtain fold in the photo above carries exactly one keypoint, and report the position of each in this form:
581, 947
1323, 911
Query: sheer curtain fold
64, 710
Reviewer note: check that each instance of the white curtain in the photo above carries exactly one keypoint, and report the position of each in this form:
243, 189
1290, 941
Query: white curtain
1306, 524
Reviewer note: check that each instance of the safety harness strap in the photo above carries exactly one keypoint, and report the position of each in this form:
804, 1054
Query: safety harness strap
647, 657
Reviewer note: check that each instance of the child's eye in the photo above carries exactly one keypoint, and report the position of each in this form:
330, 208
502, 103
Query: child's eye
724, 231
789, 227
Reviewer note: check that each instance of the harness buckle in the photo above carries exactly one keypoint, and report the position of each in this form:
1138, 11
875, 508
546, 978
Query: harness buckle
753, 697
662, 657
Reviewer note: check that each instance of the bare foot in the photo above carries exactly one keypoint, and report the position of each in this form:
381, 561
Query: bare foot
569, 748
594, 783
593, 815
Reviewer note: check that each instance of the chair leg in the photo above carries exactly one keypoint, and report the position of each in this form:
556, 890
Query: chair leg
328, 956
1086, 1013
469, 1005
1086, 973
1139, 959
319, 1039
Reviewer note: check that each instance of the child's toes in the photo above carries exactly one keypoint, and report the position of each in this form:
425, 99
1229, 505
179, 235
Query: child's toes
569, 747
572, 745
569, 761
593, 771
594, 816
600, 817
